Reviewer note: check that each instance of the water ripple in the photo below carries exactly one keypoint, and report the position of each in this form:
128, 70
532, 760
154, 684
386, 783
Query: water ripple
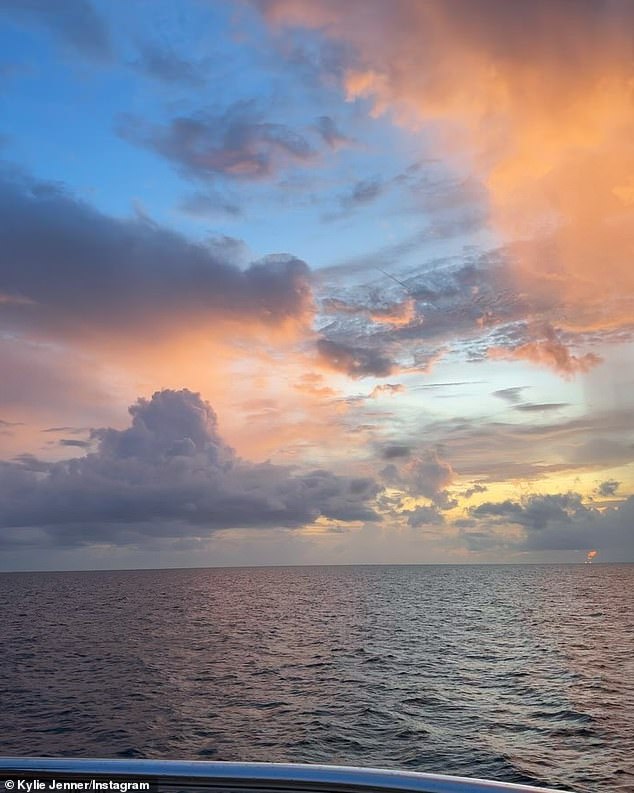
522, 674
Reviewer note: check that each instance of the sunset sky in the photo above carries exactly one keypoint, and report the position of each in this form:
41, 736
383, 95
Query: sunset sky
311, 281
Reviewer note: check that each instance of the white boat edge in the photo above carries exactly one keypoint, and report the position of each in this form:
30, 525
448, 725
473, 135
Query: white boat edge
256, 776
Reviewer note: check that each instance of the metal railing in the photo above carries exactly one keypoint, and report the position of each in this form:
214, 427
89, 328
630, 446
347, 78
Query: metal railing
243, 777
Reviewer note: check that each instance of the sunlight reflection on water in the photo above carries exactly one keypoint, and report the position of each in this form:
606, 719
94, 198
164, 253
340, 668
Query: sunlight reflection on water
518, 673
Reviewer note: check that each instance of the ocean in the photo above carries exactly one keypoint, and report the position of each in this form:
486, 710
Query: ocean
522, 673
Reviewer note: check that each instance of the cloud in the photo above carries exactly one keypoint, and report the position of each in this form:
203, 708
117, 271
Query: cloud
331, 133
395, 451
70, 430
163, 64
313, 385
428, 474
79, 273
558, 521
73, 442
535, 104
476, 488
391, 389
397, 315
470, 307
354, 361
424, 474
610, 531
74, 22
536, 511
550, 352
237, 143
512, 395
608, 488
424, 516
492, 450
363, 192
380, 312
169, 474
543, 407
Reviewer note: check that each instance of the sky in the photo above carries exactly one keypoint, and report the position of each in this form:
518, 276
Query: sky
311, 282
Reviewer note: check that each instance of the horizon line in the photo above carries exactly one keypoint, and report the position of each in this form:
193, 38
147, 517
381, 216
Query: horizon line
330, 564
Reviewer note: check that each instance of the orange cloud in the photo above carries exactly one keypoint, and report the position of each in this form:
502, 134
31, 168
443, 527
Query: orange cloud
391, 389
537, 100
395, 314
551, 352
398, 315
313, 385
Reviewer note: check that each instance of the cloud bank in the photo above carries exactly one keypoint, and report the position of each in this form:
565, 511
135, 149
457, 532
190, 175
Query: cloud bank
554, 522
68, 271
169, 474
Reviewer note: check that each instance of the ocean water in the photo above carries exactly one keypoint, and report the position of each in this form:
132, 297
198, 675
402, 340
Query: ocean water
517, 673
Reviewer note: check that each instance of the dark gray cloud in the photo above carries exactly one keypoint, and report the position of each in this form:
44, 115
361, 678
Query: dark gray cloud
69, 430
476, 488
66, 269
503, 509
28, 462
512, 395
330, 132
609, 531
360, 194
390, 474
237, 143
537, 511
169, 474
395, 450
363, 192
355, 361
608, 488
163, 64
424, 516
559, 521
73, 442
74, 22
544, 407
